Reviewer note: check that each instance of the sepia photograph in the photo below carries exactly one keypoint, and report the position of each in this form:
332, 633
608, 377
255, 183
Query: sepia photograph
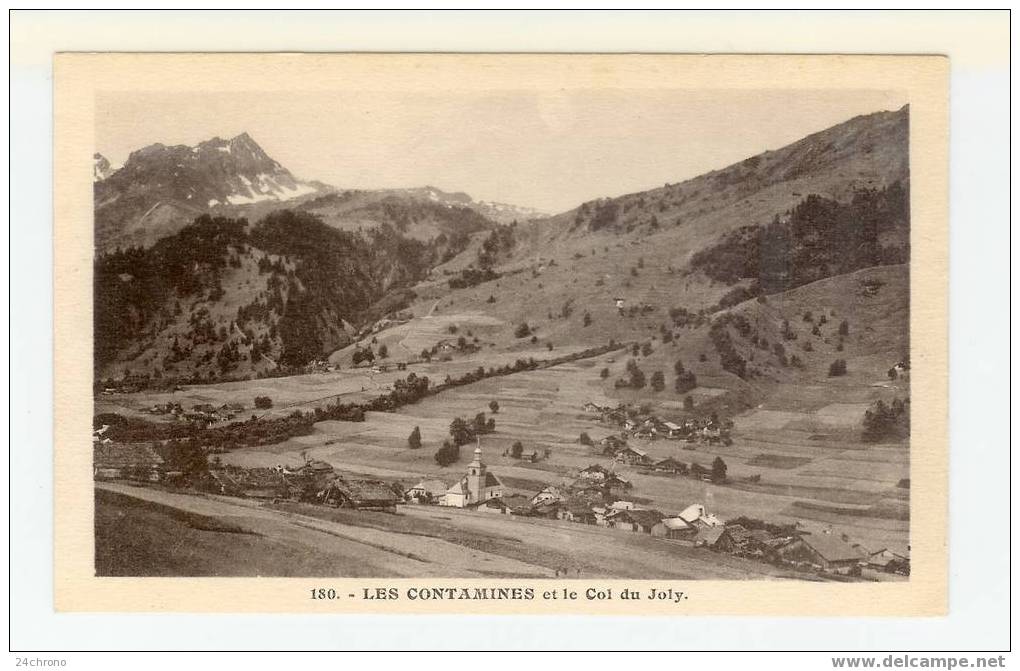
461, 332
589, 333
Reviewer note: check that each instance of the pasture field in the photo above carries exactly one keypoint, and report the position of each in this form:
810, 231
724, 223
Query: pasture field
542, 409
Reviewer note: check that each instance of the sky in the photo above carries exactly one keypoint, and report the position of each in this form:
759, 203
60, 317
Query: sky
547, 150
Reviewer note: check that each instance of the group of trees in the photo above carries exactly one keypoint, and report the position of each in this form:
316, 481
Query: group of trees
463, 432
719, 333
362, 354
635, 377
499, 241
471, 276
818, 238
686, 380
447, 454
884, 422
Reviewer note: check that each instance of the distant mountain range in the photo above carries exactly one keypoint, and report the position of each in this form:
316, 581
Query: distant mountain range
501, 213
161, 188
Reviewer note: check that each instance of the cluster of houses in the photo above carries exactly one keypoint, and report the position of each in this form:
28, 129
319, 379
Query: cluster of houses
824, 551
632, 422
618, 449
201, 412
597, 497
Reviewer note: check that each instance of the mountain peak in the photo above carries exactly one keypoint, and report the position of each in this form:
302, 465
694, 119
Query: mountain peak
164, 186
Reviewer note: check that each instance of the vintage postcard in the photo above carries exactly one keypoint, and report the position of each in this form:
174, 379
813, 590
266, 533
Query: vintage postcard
614, 334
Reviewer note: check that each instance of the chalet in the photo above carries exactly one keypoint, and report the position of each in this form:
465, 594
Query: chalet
593, 408
576, 511
615, 416
502, 505
673, 430
361, 494
548, 510
633, 456
641, 521
890, 562
611, 445
674, 528
621, 505
614, 481
697, 515
670, 465
547, 495
825, 551
316, 467
707, 536
133, 461
619, 302
257, 483
734, 538
595, 473
712, 433
531, 457
477, 486
603, 515
429, 490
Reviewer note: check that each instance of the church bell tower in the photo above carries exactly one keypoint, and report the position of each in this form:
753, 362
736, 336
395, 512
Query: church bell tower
476, 476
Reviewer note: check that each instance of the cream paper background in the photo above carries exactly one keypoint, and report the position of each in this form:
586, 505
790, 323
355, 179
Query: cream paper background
78, 78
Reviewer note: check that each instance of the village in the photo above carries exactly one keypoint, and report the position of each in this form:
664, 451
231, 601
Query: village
596, 495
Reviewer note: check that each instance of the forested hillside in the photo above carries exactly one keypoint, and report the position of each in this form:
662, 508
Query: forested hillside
219, 300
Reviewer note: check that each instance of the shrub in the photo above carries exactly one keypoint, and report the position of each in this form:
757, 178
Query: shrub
522, 330
604, 373
447, 454
263, 402
636, 378
844, 328
658, 381
587, 318
494, 406
837, 368
685, 381
516, 449
460, 431
646, 349
887, 422
383, 351
414, 440
718, 470
585, 439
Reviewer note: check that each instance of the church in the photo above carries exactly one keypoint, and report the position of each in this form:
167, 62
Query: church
478, 486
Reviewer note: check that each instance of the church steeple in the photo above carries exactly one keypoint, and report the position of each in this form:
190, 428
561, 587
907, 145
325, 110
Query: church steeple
476, 467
